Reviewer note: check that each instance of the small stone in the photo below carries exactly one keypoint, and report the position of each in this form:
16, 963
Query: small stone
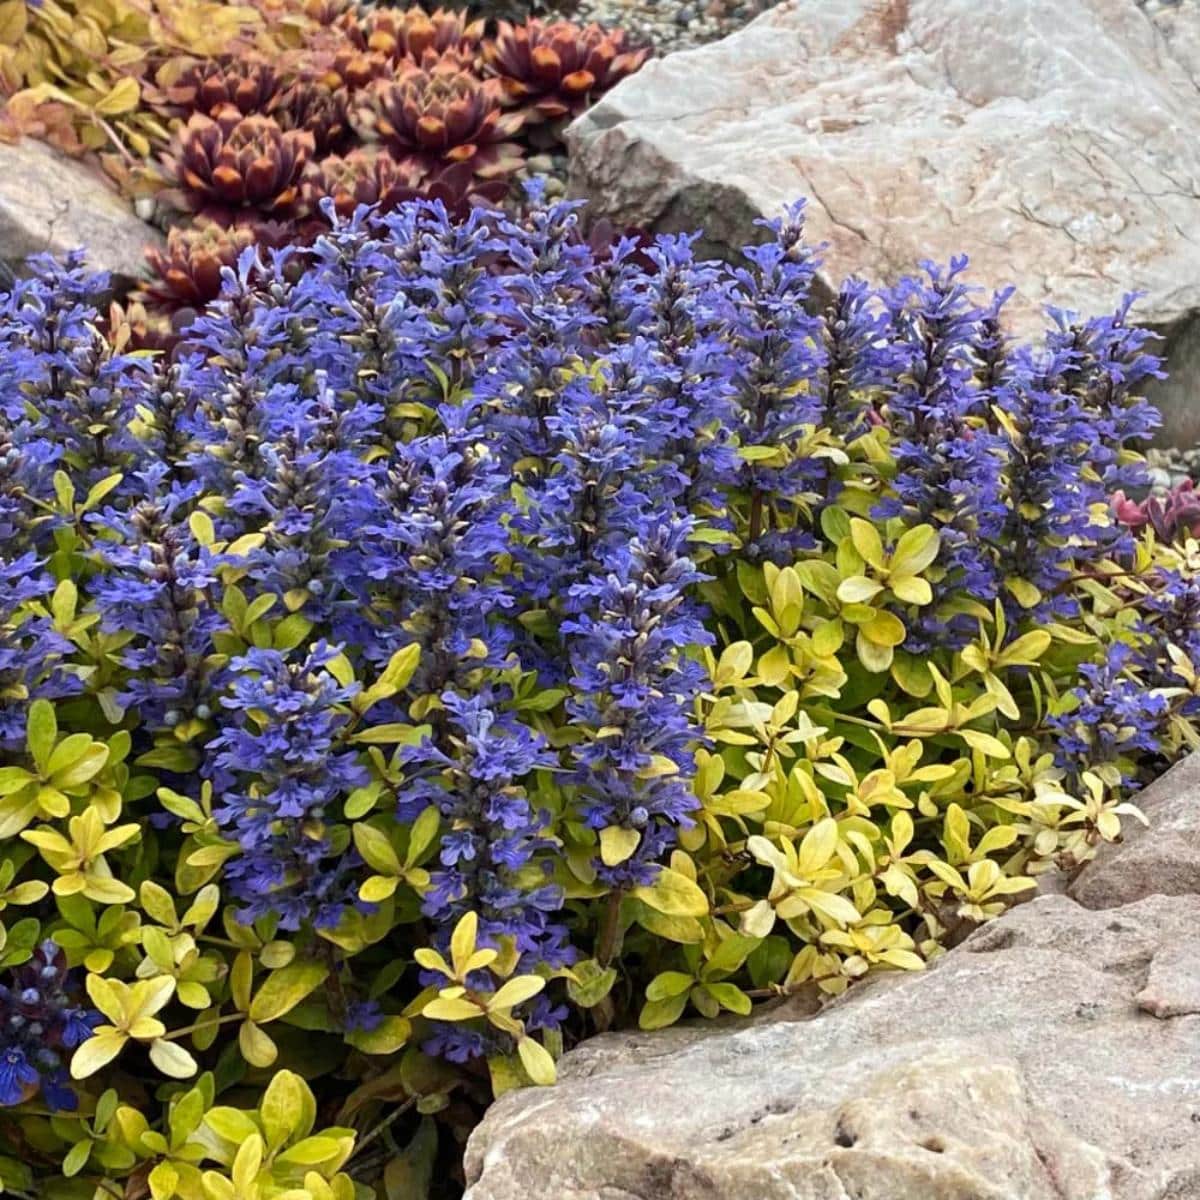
685, 16
1173, 988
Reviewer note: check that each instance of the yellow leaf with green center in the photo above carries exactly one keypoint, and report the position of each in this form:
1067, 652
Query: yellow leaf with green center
98, 1051
617, 844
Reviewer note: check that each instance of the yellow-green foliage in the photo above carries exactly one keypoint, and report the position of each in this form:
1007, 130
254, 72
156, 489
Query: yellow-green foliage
863, 808
75, 71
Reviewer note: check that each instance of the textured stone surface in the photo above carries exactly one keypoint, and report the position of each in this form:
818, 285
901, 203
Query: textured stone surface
1163, 858
1055, 1055
52, 203
1061, 152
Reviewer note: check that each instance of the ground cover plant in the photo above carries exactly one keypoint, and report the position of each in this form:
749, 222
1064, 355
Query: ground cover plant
466, 640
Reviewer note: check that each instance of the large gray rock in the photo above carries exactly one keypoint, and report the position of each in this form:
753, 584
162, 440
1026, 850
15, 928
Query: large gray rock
1058, 146
1054, 1055
49, 202
1161, 858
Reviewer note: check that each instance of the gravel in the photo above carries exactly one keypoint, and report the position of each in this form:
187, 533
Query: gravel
1170, 467
669, 25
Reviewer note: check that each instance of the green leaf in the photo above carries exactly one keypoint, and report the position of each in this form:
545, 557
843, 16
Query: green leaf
41, 732
537, 1061
658, 1014
291, 631
76, 1158
867, 542
231, 1124
674, 894
425, 829
731, 953
376, 849
201, 525
668, 984
617, 844
591, 983
312, 1151
285, 988
172, 1059
383, 735
730, 997
281, 1109
915, 551
401, 667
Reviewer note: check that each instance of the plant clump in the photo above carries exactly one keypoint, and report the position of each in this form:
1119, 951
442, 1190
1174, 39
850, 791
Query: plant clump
554, 70
231, 162
471, 637
439, 115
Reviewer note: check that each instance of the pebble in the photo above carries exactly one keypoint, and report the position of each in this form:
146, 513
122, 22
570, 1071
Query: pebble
1169, 466
668, 25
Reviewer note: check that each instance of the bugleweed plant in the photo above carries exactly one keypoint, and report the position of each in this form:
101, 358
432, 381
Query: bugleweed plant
467, 640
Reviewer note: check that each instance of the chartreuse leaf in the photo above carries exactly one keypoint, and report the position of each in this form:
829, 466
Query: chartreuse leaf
284, 989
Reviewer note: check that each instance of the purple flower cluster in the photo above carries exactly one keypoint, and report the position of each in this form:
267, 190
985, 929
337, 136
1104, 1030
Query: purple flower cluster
278, 765
478, 782
40, 1020
633, 692
1114, 719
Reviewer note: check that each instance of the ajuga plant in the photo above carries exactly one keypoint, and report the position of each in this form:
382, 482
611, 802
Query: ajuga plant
468, 639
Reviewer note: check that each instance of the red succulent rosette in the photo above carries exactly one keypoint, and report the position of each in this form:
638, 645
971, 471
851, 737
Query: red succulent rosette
187, 273
320, 110
555, 69
417, 36
233, 162
376, 178
247, 83
439, 115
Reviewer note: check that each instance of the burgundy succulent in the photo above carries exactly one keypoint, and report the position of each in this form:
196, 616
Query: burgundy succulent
330, 12
1175, 515
553, 70
232, 162
363, 177
438, 115
417, 36
187, 85
354, 68
188, 272
318, 109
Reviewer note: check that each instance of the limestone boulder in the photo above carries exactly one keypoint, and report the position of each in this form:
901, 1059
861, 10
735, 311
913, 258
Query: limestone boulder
1059, 148
49, 202
1055, 1055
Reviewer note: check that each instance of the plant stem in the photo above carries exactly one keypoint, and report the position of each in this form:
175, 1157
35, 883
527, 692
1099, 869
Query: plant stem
178, 1033
606, 946
390, 1119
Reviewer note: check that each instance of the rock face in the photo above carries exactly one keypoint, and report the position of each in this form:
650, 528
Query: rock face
1161, 858
1062, 154
1055, 1055
52, 203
